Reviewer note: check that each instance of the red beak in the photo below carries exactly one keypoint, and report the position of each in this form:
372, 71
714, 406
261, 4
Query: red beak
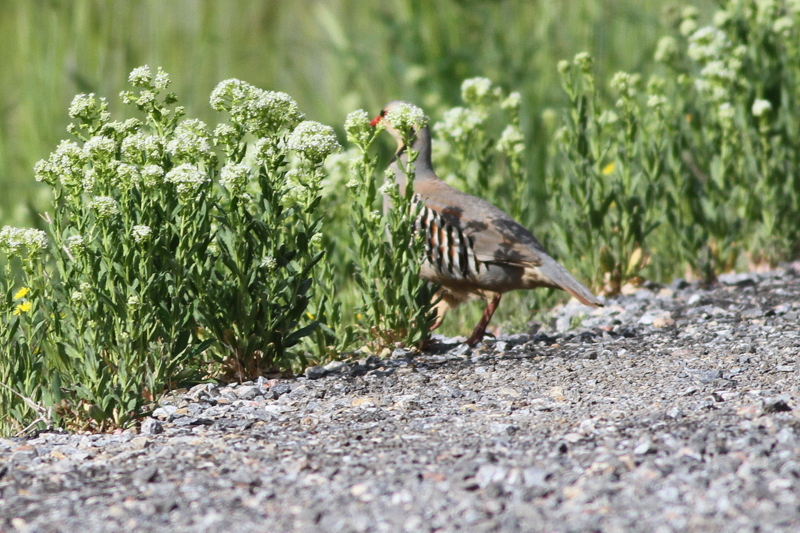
374, 121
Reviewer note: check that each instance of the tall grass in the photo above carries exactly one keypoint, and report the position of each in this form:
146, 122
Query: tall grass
333, 57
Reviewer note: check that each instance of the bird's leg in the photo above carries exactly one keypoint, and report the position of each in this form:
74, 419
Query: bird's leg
480, 329
442, 305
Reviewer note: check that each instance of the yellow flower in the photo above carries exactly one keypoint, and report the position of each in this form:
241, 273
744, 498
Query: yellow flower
22, 308
309, 315
22, 293
359, 316
608, 169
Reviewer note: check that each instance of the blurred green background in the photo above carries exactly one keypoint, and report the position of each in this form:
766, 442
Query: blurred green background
332, 56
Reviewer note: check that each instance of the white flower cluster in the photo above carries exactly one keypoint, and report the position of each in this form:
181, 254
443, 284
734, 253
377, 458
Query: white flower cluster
313, 141
191, 142
666, 49
707, 44
479, 91
85, 106
134, 302
406, 117
726, 111
626, 84
125, 176
143, 77
13, 239
187, 179
760, 107
141, 233
101, 148
512, 102
357, 127
721, 62
389, 186
265, 150
152, 176
104, 207
233, 177
269, 263
120, 130
584, 61
260, 112
89, 181
140, 147
140, 76
33, 239
511, 141
66, 165
75, 244
689, 23
225, 134
161, 81
457, 124
657, 101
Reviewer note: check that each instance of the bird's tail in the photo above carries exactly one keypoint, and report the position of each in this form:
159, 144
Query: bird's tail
562, 279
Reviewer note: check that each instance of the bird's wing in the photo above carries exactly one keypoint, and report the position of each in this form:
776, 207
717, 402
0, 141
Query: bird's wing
495, 236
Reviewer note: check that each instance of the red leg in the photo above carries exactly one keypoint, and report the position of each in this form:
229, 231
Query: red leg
480, 329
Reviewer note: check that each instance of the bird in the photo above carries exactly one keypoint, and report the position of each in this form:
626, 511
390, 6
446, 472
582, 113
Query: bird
472, 248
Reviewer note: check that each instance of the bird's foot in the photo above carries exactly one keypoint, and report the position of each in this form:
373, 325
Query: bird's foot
476, 337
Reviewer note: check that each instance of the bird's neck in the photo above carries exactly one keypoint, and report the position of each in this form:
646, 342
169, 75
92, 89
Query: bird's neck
422, 146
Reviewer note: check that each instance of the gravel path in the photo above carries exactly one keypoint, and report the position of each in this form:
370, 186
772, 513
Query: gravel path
672, 409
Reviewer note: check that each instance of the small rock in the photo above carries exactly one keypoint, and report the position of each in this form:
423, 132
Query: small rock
359, 370
247, 392
151, 426
742, 279
335, 366
503, 429
678, 284
164, 411
779, 404
693, 299
314, 372
147, 474
663, 322
460, 350
753, 312
400, 353
279, 389
644, 448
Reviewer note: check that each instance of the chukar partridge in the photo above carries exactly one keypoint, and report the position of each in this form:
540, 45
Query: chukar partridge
473, 249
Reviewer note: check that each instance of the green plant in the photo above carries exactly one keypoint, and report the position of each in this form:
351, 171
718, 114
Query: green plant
268, 235
609, 167
22, 363
396, 304
734, 88
165, 263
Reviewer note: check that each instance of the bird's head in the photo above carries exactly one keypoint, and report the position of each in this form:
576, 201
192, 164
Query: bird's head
402, 120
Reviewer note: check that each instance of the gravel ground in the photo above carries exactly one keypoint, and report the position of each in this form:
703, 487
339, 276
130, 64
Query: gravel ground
671, 409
